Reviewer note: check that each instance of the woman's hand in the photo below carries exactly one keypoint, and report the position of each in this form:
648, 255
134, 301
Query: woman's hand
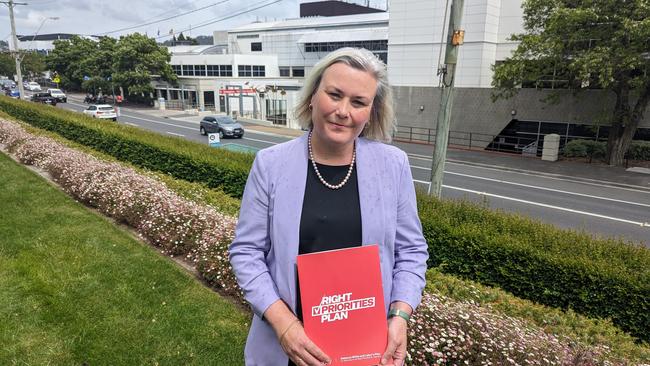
295, 343
300, 348
395, 353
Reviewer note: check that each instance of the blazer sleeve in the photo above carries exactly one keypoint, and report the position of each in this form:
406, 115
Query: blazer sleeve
411, 252
252, 243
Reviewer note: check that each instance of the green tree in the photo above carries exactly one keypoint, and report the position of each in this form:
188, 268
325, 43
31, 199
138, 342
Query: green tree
590, 43
7, 64
32, 64
136, 59
72, 60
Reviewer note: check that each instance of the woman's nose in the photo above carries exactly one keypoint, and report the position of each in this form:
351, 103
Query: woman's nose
343, 110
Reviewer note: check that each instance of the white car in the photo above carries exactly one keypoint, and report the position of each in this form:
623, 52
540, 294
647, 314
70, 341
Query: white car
104, 111
33, 86
58, 95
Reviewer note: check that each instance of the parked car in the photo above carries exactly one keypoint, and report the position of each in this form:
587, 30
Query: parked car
13, 93
223, 125
8, 84
33, 86
104, 111
43, 98
58, 95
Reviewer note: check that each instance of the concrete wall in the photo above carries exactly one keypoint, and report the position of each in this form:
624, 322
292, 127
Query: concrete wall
475, 112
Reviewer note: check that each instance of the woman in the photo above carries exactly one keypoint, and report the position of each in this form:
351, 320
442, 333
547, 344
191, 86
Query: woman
336, 186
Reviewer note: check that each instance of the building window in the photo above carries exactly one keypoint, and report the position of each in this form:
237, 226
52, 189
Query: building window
199, 70
244, 70
254, 70
241, 36
213, 70
285, 71
256, 46
177, 69
259, 70
188, 70
225, 70
298, 72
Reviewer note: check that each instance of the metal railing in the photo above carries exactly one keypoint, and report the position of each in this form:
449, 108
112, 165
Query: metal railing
525, 143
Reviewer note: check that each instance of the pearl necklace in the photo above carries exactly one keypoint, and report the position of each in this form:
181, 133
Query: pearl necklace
320, 177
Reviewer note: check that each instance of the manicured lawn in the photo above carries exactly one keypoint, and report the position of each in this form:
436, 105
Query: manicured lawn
75, 288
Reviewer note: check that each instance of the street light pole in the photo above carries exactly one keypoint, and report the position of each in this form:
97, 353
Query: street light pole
14, 41
454, 40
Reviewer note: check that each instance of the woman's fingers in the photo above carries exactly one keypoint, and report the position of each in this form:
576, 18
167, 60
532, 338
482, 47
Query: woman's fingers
301, 349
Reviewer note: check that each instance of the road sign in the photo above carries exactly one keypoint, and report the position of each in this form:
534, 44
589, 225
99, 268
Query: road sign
56, 79
213, 140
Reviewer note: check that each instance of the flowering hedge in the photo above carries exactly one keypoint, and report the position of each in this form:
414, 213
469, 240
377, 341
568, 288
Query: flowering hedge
443, 331
217, 168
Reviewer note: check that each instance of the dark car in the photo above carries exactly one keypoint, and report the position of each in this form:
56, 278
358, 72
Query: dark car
223, 125
45, 98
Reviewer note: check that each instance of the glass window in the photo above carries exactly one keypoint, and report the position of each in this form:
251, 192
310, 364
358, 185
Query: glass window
225, 70
199, 70
212, 70
298, 72
177, 69
285, 71
259, 70
256, 46
188, 70
244, 70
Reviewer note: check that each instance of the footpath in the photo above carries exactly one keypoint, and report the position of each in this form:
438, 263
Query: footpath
633, 177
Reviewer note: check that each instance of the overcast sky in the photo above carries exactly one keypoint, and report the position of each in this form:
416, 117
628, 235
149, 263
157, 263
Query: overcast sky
100, 17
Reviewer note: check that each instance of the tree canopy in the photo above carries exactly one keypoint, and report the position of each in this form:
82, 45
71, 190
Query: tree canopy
33, 64
597, 44
128, 62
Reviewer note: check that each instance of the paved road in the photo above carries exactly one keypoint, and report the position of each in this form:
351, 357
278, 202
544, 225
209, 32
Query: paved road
595, 207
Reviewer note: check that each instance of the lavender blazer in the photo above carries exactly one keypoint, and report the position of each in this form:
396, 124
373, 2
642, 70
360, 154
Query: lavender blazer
263, 254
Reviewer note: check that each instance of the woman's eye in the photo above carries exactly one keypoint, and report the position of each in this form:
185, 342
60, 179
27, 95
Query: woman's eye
334, 95
359, 103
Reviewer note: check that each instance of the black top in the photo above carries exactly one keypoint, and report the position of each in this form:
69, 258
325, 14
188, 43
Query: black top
331, 218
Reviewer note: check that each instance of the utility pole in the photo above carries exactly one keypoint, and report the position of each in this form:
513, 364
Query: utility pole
14, 41
448, 72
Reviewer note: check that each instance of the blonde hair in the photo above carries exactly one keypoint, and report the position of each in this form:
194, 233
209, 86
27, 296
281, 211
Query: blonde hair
382, 115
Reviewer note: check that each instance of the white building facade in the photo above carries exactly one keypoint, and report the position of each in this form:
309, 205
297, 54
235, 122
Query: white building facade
268, 61
417, 34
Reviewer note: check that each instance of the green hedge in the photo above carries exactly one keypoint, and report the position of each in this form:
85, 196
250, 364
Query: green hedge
177, 157
638, 150
602, 278
561, 268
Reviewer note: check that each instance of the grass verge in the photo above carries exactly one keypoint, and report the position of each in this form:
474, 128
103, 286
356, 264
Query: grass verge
75, 288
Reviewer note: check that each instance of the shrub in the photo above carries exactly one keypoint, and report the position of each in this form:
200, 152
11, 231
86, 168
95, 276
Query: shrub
639, 150
585, 149
560, 268
182, 159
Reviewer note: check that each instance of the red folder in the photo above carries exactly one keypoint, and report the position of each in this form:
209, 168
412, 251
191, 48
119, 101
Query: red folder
343, 304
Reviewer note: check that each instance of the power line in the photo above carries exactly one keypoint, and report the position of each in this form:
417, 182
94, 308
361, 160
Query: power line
225, 18
164, 19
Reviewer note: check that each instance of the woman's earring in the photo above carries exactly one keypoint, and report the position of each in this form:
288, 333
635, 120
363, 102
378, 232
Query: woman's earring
310, 107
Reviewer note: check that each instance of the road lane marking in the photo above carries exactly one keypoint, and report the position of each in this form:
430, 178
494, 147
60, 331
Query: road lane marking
532, 173
548, 189
638, 223
175, 134
131, 124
